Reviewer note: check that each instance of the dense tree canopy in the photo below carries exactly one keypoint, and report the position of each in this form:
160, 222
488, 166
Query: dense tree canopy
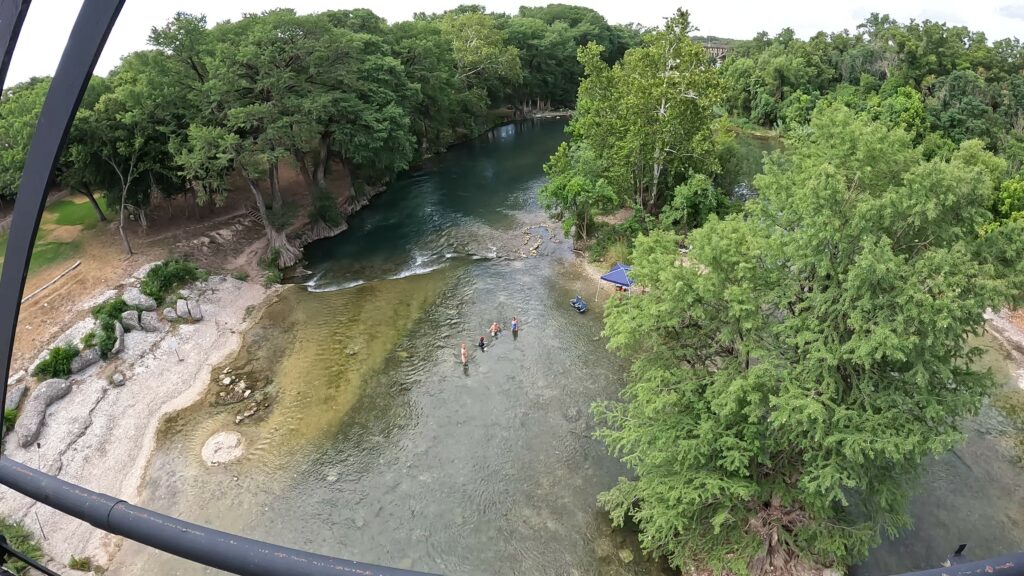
340, 92
788, 381
645, 124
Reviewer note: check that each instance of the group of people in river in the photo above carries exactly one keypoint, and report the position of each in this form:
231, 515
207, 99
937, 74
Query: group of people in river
495, 330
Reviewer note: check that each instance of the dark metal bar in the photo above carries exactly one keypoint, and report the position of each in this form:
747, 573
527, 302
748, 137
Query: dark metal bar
88, 36
213, 548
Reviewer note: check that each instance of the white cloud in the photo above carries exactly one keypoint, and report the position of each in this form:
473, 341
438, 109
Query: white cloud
1013, 11
49, 21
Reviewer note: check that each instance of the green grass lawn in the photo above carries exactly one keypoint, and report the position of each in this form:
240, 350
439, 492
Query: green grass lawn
65, 213
69, 213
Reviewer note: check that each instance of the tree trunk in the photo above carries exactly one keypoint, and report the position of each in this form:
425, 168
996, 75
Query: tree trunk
287, 254
87, 192
322, 159
275, 188
124, 237
307, 178
347, 189
142, 218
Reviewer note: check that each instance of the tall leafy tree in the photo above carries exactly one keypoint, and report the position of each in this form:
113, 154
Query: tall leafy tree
787, 382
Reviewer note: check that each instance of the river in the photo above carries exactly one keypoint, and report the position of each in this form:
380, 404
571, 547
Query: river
381, 447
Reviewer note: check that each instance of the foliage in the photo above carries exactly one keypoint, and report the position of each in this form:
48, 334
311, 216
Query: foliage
575, 189
10, 419
788, 382
82, 564
21, 539
57, 363
1011, 404
282, 217
89, 340
271, 271
325, 209
692, 204
167, 276
240, 275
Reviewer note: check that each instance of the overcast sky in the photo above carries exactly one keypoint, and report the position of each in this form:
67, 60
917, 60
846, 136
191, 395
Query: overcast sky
49, 21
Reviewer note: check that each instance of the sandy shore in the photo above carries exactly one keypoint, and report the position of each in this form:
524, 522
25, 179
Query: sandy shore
1004, 328
102, 437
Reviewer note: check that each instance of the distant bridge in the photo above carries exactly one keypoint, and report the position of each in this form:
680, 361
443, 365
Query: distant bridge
718, 52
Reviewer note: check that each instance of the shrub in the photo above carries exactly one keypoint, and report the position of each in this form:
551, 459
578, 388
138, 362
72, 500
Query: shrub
167, 277
325, 209
57, 363
240, 275
271, 273
83, 564
107, 314
89, 339
22, 540
10, 418
282, 217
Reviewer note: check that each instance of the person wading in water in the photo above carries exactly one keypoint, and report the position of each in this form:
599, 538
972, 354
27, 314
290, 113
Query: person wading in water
465, 355
482, 344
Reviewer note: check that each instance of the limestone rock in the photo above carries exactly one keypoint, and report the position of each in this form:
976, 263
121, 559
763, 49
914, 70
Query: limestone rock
14, 396
33, 414
85, 358
194, 311
135, 297
181, 307
118, 330
118, 346
170, 314
222, 447
130, 320
151, 322
117, 379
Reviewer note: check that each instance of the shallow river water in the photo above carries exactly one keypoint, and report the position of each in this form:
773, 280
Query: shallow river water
380, 447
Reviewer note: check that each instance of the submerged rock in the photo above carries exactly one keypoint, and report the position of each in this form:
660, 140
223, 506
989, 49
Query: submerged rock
85, 358
135, 297
130, 320
223, 447
32, 416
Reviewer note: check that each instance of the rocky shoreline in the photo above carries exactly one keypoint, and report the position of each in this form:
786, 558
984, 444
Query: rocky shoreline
98, 427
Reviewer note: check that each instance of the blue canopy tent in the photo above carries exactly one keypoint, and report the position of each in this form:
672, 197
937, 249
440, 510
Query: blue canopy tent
619, 275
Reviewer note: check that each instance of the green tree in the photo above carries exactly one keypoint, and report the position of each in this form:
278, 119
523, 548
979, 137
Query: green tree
787, 383
649, 117
575, 189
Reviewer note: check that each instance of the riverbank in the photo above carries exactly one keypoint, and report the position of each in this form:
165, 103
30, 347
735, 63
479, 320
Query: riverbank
101, 436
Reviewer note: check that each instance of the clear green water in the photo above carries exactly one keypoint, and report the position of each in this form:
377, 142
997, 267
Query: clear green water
380, 447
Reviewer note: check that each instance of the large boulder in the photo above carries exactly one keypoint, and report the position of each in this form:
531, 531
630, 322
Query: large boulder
181, 308
14, 396
33, 414
151, 322
130, 320
194, 310
85, 358
135, 297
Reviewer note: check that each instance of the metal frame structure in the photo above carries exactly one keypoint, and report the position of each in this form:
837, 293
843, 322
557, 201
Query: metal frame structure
200, 544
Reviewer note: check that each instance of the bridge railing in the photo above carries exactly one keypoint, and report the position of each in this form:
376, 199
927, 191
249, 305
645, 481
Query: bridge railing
221, 550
